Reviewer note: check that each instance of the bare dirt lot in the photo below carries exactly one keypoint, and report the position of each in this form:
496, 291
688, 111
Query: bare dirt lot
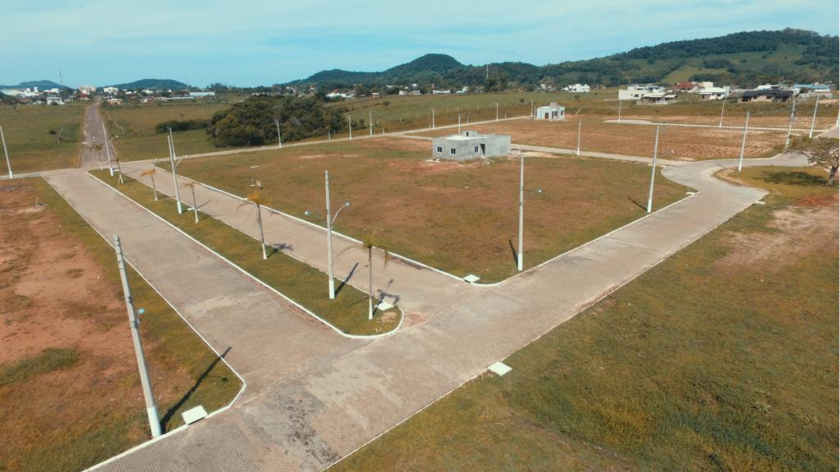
68, 379
635, 140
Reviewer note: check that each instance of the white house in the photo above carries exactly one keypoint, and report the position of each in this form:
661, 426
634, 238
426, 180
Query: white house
577, 88
551, 112
202, 94
637, 92
714, 93
88, 89
110, 90
54, 100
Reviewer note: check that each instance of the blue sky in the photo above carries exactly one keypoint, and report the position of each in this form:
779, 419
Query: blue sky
250, 42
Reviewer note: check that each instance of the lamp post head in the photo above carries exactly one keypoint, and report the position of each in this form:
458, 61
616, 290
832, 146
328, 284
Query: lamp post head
307, 213
347, 204
539, 190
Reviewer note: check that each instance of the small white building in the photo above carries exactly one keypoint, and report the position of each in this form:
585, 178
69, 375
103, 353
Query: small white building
202, 94
88, 89
551, 112
110, 90
54, 100
577, 88
714, 93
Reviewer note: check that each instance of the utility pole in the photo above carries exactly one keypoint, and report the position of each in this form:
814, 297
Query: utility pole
107, 149
151, 407
497, 111
814, 119
532, 108
279, 140
6, 150
722, 107
350, 125
433, 118
744, 142
580, 124
174, 165
790, 125
329, 237
370, 120
619, 110
521, 209
653, 171
459, 123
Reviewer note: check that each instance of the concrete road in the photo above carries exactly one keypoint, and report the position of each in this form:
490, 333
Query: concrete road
94, 137
308, 421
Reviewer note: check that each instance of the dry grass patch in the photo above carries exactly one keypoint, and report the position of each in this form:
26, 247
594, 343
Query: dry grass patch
459, 217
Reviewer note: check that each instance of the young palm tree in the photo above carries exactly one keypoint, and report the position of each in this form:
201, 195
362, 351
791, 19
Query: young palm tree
369, 242
191, 186
151, 171
259, 201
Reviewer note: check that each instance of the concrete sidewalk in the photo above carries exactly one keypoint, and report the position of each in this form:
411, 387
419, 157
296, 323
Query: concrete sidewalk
269, 339
309, 422
416, 289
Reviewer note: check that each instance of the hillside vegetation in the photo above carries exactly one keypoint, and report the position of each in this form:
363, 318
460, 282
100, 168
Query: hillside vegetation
746, 58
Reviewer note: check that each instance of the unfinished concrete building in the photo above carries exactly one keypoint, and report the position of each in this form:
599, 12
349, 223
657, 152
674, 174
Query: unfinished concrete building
553, 111
470, 145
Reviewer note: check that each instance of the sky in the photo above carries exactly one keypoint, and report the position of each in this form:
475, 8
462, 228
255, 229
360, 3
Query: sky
250, 42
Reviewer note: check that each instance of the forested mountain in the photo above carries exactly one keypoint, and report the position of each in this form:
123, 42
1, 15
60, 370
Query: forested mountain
41, 84
155, 84
746, 58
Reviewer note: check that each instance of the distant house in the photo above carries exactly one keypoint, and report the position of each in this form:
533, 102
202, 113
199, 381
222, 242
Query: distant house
813, 89
767, 95
110, 90
552, 111
470, 145
202, 94
647, 95
115, 101
88, 89
685, 86
54, 100
577, 88
714, 93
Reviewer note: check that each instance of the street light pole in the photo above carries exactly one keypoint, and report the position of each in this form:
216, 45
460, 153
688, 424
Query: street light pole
279, 139
744, 142
5, 150
722, 107
134, 323
580, 123
107, 149
814, 119
521, 210
370, 120
790, 125
459, 123
173, 164
433, 118
497, 111
653, 171
350, 125
619, 110
329, 237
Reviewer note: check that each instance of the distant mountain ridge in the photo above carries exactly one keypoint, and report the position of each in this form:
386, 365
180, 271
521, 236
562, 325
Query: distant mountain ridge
745, 57
41, 84
155, 84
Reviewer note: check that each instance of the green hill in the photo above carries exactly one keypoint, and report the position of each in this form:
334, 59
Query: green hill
155, 84
746, 58
41, 84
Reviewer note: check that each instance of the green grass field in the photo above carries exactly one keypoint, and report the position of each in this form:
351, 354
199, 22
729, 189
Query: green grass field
66, 409
298, 281
724, 357
42, 137
460, 218
135, 126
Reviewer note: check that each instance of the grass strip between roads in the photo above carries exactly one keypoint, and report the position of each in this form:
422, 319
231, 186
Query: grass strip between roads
723, 357
296, 280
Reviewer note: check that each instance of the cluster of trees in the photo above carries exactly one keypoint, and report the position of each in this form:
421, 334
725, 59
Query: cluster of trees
181, 125
254, 121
